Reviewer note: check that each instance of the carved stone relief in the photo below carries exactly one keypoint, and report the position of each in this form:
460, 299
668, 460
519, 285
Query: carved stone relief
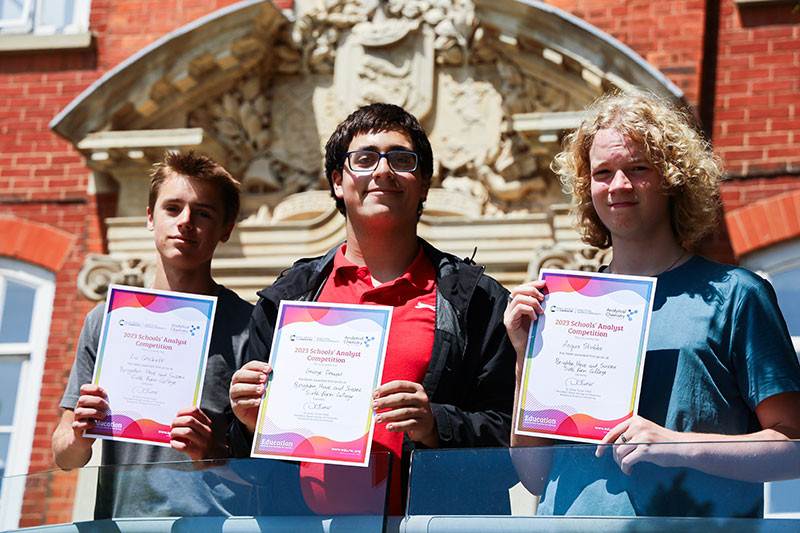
342, 54
100, 271
385, 62
567, 258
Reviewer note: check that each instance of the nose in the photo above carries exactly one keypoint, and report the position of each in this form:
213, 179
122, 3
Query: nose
185, 217
383, 168
619, 181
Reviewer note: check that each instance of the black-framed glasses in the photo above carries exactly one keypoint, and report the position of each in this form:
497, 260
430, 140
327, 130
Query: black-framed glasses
367, 160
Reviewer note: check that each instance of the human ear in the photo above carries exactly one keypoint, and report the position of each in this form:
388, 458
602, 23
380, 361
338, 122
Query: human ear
336, 180
226, 233
150, 226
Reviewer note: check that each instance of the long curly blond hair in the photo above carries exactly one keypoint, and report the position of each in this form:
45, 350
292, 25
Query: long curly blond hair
683, 158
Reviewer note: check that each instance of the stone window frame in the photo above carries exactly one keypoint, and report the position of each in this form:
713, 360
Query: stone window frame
33, 354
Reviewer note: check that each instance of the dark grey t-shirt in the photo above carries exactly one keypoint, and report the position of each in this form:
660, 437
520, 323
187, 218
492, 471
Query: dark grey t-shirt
175, 489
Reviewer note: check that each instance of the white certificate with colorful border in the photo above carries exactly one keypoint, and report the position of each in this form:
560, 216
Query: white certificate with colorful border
326, 359
151, 361
585, 355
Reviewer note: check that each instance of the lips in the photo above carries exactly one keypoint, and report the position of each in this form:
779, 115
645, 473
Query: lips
384, 190
618, 205
182, 239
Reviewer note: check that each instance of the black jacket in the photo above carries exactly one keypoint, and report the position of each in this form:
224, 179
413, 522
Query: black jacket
470, 377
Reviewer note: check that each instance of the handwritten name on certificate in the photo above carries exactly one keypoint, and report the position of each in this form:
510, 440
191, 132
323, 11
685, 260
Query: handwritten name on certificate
151, 361
585, 355
326, 359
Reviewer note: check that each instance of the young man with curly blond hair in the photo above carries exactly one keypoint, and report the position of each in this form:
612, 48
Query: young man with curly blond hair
720, 365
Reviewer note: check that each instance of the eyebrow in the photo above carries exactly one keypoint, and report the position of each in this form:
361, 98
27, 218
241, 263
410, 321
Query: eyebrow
204, 205
631, 162
392, 148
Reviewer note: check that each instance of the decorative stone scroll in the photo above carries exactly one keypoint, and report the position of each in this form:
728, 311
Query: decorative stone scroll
99, 271
563, 258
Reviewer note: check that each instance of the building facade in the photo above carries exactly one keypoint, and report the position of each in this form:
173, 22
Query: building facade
90, 97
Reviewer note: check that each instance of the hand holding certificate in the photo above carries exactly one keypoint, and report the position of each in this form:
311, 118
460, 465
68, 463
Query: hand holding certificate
326, 359
151, 360
585, 355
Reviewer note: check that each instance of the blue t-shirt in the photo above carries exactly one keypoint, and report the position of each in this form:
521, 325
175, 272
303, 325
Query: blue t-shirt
718, 346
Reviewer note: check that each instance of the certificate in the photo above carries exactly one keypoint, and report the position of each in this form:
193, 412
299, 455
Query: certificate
151, 361
326, 359
584, 359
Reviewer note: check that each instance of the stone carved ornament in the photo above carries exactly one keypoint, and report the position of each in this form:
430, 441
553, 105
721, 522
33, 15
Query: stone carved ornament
100, 271
563, 258
394, 49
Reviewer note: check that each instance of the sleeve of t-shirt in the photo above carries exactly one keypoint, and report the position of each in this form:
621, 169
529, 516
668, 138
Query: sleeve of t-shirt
83, 367
762, 348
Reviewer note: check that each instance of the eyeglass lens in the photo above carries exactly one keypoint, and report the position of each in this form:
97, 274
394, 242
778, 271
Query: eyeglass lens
368, 160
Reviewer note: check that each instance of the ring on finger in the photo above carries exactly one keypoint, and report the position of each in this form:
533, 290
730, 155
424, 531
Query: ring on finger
623, 438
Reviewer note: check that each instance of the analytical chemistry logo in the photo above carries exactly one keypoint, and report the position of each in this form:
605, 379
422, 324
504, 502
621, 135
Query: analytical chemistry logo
183, 328
358, 340
621, 313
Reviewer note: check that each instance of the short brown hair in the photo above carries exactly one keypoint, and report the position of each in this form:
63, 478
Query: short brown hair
194, 166
689, 169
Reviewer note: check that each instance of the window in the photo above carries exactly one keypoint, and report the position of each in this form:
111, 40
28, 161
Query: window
781, 265
44, 17
26, 303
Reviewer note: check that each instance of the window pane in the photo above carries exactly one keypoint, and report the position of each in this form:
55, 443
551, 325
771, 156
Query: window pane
9, 382
57, 13
4, 438
15, 322
783, 496
11, 9
787, 285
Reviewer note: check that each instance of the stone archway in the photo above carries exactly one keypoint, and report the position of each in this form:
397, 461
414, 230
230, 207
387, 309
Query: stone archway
496, 83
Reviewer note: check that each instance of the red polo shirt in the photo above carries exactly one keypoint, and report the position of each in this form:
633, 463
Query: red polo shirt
408, 352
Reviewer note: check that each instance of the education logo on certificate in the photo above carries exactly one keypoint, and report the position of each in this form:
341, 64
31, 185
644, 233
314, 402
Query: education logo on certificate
326, 359
585, 355
151, 361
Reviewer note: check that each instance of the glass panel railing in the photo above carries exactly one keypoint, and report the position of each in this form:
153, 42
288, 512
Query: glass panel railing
555, 488
233, 495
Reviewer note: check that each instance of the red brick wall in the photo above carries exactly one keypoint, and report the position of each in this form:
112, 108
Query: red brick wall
669, 35
757, 115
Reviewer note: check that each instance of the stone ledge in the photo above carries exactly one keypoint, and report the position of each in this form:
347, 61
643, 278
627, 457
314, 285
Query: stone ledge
32, 42
747, 3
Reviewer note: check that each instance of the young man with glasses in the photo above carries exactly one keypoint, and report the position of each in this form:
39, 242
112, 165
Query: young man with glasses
449, 371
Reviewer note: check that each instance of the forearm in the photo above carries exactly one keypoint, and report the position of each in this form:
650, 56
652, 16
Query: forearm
522, 440
70, 449
766, 455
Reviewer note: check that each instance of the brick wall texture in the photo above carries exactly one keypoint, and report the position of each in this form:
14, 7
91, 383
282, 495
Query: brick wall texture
739, 67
